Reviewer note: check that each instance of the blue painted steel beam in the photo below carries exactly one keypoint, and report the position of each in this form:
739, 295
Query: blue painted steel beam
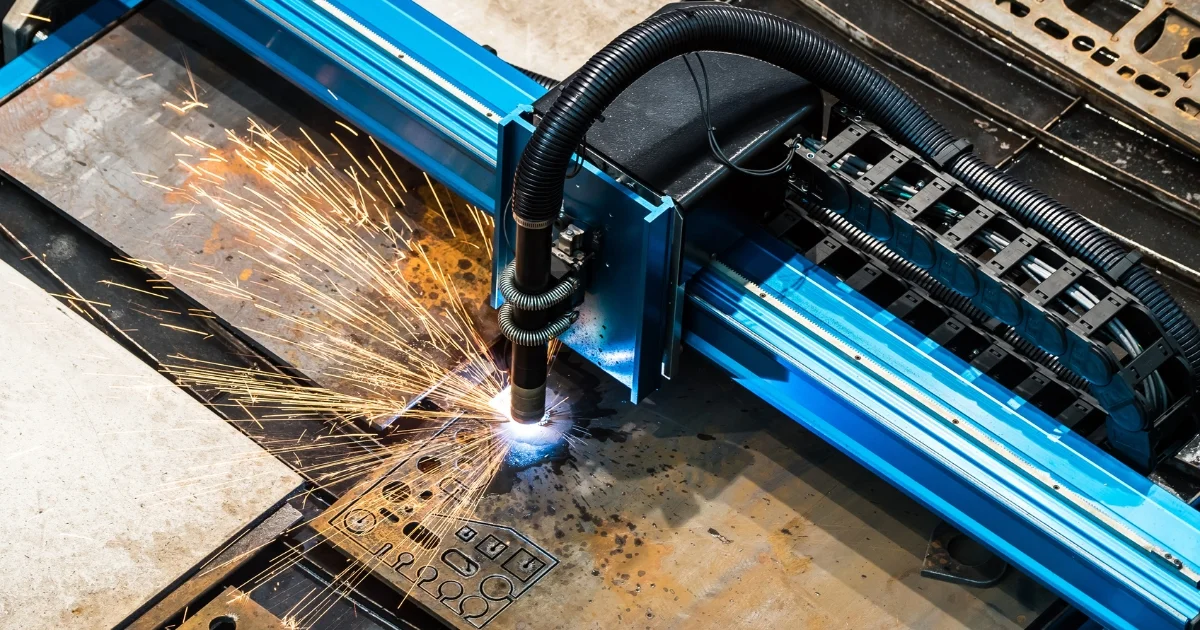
1069, 515
394, 70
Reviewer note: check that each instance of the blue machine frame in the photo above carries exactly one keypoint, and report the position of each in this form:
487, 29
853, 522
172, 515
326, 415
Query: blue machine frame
45, 55
1120, 548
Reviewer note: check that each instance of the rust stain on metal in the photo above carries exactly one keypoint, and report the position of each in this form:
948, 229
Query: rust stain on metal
65, 100
233, 609
78, 137
704, 508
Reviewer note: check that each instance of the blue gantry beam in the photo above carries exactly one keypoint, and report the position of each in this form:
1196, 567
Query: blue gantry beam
1085, 525
394, 70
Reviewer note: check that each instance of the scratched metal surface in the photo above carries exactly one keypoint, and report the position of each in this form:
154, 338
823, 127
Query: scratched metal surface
706, 508
77, 137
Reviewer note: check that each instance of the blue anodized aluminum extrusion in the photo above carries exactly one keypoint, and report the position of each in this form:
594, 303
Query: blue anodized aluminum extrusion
391, 68
65, 39
1115, 544
1107, 539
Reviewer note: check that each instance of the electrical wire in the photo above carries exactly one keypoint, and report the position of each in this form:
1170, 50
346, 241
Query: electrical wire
705, 96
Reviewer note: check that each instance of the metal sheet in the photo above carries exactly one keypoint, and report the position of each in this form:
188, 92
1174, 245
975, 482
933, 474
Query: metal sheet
398, 523
1044, 498
219, 568
233, 610
711, 523
1141, 61
898, 31
98, 472
704, 507
77, 137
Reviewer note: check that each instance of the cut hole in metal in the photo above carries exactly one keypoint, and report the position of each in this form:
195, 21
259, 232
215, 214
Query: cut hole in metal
1110, 15
224, 622
397, 492
1016, 8
1150, 35
1192, 50
1052, 28
422, 536
1152, 85
466, 436
1188, 106
1105, 57
1083, 43
428, 464
1126, 71
390, 515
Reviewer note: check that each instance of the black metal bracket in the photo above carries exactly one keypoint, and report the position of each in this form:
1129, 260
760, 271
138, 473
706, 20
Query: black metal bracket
952, 557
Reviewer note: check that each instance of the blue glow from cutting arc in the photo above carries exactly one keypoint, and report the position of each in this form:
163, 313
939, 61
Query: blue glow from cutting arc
530, 444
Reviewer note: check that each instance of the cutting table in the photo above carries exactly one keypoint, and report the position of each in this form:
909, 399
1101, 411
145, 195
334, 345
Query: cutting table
694, 501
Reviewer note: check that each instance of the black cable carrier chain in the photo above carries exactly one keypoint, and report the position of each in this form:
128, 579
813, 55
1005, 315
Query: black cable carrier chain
946, 326
949, 246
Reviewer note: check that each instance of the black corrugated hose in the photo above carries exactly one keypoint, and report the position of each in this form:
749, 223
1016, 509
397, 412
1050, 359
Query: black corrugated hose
1081, 238
547, 82
538, 187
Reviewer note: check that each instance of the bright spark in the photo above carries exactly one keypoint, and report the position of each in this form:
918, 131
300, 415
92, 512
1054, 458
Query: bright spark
320, 234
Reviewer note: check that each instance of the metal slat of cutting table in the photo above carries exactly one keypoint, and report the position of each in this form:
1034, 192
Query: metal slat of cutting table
729, 473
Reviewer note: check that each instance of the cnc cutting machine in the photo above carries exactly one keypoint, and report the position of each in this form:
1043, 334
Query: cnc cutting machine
733, 182
744, 247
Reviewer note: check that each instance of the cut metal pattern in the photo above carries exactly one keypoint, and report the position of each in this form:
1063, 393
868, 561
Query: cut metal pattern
1143, 60
464, 571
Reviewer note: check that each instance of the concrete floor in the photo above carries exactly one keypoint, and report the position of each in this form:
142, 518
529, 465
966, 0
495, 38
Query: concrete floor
548, 36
